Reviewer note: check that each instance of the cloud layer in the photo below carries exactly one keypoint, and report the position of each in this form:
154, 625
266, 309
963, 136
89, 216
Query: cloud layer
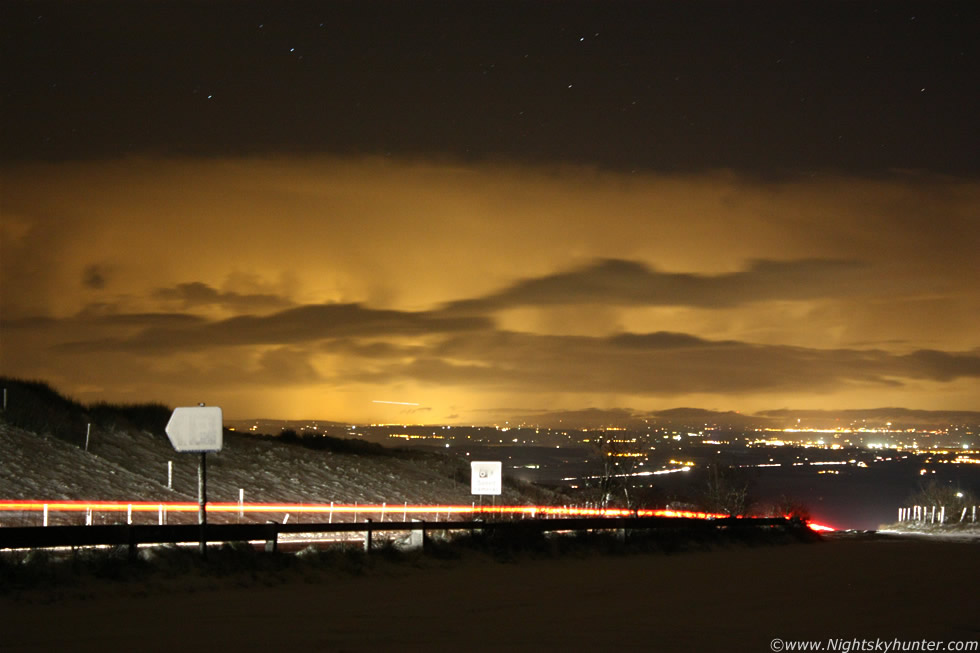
631, 283
301, 287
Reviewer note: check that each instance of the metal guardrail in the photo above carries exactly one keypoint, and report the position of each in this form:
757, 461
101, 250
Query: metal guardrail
131, 536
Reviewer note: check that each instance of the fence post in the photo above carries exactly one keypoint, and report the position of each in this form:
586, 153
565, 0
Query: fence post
45, 514
131, 536
368, 537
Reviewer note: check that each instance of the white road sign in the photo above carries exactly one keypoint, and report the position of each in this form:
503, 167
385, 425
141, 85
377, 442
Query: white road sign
195, 428
485, 477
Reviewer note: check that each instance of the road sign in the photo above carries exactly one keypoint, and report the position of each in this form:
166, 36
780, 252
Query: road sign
195, 428
485, 477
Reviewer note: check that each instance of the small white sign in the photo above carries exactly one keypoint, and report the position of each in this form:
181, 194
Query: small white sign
195, 428
485, 477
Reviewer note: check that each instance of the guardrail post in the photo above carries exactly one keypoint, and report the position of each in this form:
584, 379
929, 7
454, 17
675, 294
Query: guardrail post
202, 502
368, 537
131, 537
272, 537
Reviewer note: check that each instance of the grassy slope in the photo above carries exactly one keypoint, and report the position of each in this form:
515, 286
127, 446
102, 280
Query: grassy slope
42, 440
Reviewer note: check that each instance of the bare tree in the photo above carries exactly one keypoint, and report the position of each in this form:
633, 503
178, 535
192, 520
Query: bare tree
617, 461
726, 491
788, 507
933, 493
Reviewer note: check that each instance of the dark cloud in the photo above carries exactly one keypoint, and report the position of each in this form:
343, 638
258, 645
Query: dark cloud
100, 318
941, 365
96, 315
632, 283
376, 349
94, 277
308, 323
196, 294
664, 364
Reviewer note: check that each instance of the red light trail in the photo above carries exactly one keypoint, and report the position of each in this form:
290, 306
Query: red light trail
355, 509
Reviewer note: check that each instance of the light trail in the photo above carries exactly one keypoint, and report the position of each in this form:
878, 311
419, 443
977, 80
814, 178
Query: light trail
358, 509
321, 508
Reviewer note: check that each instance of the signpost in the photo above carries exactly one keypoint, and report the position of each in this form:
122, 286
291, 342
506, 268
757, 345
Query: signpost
485, 477
197, 429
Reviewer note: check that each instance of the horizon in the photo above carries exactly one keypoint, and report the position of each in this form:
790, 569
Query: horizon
524, 417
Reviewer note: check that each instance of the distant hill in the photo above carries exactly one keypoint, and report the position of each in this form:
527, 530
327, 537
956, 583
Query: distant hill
699, 416
900, 418
591, 418
587, 418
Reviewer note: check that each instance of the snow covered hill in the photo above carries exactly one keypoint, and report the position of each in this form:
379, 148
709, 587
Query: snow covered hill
131, 465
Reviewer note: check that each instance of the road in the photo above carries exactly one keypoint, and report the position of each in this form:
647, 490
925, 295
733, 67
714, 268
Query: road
735, 599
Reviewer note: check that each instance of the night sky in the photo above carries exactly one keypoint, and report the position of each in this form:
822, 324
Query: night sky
488, 209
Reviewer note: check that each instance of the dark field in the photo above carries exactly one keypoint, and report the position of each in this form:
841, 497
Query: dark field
729, 598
